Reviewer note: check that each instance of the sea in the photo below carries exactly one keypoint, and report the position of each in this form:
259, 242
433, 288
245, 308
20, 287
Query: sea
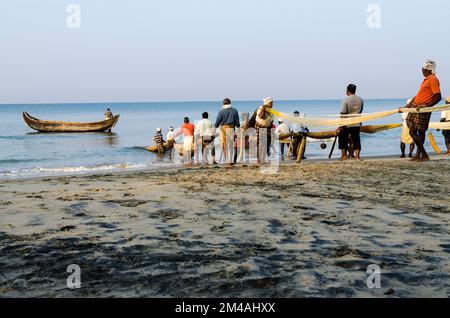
25, 153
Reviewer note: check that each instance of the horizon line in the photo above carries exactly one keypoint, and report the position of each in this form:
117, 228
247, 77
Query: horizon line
190, 101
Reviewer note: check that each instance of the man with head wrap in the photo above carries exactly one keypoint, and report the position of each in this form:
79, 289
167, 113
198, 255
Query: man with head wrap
263, 126
428, 95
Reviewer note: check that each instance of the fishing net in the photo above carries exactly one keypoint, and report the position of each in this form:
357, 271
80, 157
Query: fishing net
349, 120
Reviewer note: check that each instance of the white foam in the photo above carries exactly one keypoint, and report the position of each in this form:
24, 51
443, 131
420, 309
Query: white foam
46, 171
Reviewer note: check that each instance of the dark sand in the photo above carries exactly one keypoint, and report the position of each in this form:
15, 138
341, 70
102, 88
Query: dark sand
309, 230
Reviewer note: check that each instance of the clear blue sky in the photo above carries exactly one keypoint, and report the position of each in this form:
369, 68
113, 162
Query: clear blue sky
175, 50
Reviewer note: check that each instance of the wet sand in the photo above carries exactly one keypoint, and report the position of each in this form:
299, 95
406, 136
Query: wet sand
309, 230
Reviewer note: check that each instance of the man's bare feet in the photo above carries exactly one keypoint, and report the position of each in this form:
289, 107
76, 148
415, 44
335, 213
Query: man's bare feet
424, 158
402, 156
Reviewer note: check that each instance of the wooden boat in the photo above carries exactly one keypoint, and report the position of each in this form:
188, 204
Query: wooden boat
64, 126
372, 129
167, 147
369, 129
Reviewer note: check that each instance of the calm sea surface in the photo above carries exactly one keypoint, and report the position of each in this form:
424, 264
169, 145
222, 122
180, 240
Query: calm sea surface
25, 153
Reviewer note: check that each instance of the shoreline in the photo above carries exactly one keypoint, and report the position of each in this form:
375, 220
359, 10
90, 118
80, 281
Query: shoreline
310, 230
433, 157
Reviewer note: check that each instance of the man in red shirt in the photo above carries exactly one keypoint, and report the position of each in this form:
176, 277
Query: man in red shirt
188, 142
429, 95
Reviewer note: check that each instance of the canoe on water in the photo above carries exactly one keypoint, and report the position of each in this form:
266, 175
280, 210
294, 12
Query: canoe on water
65, 126
167, 147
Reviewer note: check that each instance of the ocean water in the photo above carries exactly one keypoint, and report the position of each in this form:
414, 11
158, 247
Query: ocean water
26, 153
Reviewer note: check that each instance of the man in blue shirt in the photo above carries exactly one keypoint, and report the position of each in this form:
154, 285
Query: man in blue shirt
227, 119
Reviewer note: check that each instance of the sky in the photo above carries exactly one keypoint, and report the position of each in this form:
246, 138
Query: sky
192, 50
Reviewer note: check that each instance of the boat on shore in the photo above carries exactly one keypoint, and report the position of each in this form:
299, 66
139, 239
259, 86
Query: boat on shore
369, 129
65, 126
179, 148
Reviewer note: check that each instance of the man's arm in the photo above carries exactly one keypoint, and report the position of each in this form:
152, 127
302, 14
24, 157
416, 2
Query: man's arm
436, 99
262, 113
409, 105
179, 132
218, 119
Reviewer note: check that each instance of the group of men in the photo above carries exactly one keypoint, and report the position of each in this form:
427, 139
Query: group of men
199, 139
227, 121
415, 125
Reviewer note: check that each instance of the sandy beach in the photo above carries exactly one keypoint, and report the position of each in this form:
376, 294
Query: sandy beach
309, 230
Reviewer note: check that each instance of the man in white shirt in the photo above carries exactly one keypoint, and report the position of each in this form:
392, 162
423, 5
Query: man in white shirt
280, 131
299, 127
282, 128
170, 134
170, 141
445, 117
204, 134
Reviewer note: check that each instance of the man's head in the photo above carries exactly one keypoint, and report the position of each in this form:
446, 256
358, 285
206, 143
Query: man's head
158, 130
447, 100
268, 101
186, 120
205, 115
226, 101
108, 109
296, 113
429, 67
351, 89
171, 128
280, 121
